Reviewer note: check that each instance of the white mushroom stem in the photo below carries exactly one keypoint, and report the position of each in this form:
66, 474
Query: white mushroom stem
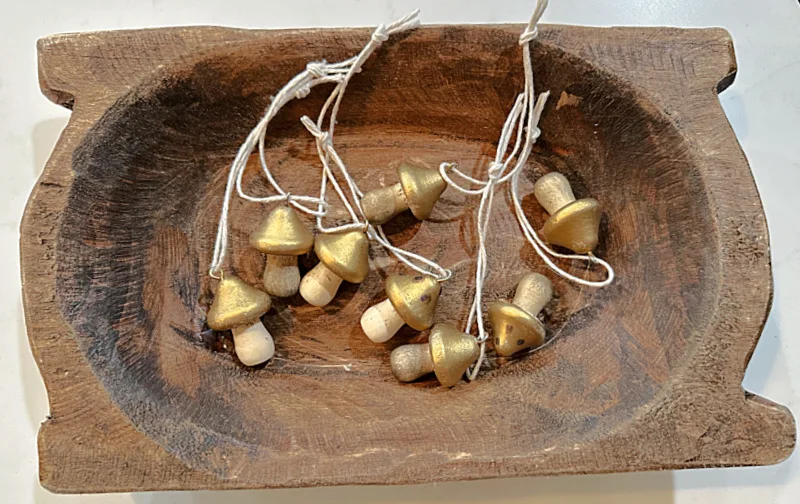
381, 321
320, 285
281, 276
253, 344
382, 204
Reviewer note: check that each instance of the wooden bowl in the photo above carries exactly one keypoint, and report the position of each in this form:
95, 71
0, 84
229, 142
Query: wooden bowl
645, 374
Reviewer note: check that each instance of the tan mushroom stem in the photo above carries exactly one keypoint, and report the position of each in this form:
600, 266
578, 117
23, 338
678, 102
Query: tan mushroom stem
253, 344
381, 321
410, 362
553, 192
281, 276
381, 205
533, 292
320, 285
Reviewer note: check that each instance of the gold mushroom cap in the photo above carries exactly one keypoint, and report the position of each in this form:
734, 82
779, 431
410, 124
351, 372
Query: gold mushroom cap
572, 224
452, 352
422, 188
236, 303
414, 298
515, 326
345, 254
282, 233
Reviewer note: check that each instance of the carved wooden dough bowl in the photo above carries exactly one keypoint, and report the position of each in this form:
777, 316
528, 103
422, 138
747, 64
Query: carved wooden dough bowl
644, 375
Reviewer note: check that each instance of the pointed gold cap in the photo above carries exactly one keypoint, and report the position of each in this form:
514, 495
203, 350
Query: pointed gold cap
414, 298
345, 254
452, 352
575, 226
422, 188
236, 303
513, 328
282, 233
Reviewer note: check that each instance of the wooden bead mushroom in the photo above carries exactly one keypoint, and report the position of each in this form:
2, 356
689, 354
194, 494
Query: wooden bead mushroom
418, 190
238, 306
572, 224
283, 237
514, 325
411, 300
448, 353
342, 256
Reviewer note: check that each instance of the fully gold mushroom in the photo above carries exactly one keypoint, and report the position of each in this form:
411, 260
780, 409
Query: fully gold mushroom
514, 325
238, 306
572, 224
410, 300
448, 354
418, 190
283, 237
342, 256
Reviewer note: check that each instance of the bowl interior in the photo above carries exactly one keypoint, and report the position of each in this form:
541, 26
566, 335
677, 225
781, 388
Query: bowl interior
143, 211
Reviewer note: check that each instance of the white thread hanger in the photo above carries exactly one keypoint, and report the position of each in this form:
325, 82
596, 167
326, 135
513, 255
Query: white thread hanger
327, 153
524, 118
299, 87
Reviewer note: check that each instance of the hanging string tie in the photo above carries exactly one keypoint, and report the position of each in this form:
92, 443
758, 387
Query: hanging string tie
299, 87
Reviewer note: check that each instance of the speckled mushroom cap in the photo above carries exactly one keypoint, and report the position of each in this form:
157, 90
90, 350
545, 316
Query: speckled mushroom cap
345, 254
452, 352
422, 188
236, 303
282, 233
513, 328
414, 298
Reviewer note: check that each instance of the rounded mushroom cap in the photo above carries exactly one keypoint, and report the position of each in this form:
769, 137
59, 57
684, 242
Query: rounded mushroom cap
345, 254
513, 328
282, 233
422, 188
236, 303
452, 352
575, 226
414, 298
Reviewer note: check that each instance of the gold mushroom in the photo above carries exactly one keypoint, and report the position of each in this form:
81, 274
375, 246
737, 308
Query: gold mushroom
342, 256
283, 237
514, 325
572, 224
238, 306
448, 353
411, 300
418, 190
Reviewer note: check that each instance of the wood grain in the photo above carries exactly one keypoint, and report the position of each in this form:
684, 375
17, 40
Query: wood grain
643, 375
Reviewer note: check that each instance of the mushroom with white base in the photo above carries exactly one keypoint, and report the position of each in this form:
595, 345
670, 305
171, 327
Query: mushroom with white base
283, 237
342, 256
238, 306
411, 300
572, 224
418, 190
514, 325
448, 354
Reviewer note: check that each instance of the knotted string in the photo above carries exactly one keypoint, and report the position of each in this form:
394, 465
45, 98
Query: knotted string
328, 156
316, 73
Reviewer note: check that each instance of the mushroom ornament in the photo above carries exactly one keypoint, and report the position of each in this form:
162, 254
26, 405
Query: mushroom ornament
448, 354
514, 325
342, 256
573, 224
410, 300
238, 306
283, 237
418, 190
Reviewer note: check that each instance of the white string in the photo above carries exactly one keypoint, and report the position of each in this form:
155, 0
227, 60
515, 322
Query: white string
316, 73
328, 155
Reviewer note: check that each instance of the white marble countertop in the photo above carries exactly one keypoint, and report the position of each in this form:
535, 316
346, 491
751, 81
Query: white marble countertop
763, 105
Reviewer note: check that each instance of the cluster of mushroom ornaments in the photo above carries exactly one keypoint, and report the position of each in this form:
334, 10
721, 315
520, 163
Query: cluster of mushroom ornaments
411, 299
